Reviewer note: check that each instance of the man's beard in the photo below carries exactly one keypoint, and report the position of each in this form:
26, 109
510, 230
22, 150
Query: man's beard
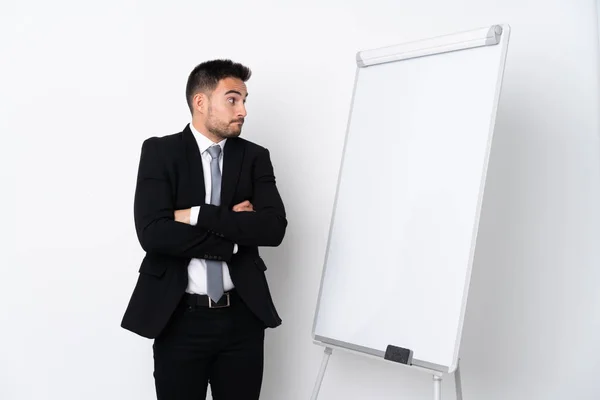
222, 129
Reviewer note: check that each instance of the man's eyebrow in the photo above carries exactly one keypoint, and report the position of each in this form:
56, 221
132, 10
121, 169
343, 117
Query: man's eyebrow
236, 92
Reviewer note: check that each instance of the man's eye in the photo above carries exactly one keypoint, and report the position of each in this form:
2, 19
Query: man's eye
231, 100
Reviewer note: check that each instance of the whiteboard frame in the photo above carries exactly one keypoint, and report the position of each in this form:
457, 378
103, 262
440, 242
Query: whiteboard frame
489, 36
598, 24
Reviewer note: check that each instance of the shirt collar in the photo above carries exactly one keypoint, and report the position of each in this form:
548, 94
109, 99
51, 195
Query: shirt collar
203, 142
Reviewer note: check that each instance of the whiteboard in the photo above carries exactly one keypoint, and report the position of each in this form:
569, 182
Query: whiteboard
406, 213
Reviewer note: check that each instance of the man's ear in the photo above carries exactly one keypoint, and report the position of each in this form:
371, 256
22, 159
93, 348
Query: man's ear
200, 103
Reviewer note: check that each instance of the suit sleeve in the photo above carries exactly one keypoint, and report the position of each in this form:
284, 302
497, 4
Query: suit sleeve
155, 224
265, 226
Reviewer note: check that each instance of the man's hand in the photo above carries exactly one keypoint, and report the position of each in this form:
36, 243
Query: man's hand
183, 216
243, 206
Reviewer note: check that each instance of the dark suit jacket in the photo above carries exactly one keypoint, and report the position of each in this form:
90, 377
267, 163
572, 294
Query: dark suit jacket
170, 178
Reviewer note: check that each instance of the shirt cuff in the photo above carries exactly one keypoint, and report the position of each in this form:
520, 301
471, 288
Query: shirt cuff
235, 248
194, 215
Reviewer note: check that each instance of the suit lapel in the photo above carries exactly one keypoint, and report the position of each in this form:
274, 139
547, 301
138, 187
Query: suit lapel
195, 172
233, 156
232, 165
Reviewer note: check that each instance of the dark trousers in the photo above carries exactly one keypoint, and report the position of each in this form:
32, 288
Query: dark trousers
201, 345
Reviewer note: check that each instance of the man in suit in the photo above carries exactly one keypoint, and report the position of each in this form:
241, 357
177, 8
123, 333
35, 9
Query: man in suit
205, 201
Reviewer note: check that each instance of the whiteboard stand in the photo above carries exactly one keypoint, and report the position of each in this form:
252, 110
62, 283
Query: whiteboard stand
326, 354
458, 383
428, 108
437, 378
437, 385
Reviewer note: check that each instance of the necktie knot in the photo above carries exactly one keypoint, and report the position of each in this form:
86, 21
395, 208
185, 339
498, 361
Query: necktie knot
214, 151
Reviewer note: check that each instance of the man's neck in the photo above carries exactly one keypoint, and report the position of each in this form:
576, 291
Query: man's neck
201, 128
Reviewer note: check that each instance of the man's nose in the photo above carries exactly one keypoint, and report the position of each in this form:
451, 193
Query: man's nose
242, 111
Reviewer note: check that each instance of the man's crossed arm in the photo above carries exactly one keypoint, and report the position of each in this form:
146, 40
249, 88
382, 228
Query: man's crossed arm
184, 216
160, 229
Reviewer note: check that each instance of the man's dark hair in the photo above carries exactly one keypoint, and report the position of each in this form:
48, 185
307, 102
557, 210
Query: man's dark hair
205, 77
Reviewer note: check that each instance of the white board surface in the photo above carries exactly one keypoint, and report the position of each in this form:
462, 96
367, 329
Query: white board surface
405, 219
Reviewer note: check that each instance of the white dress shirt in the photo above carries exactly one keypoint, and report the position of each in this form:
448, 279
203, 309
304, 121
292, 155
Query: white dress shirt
197, 266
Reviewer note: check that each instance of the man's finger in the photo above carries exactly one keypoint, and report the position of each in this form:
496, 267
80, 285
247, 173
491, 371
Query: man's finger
243, 206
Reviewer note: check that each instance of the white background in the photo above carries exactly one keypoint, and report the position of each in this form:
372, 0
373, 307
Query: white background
83, 84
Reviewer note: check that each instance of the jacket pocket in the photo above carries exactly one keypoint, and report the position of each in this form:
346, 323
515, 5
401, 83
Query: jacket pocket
153, 266
260, 264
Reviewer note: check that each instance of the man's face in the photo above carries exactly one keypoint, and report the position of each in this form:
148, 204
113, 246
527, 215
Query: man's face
226, 108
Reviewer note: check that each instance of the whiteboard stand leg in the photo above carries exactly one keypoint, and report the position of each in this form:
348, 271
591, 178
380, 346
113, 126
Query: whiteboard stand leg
458, 383
326, 354
437, 387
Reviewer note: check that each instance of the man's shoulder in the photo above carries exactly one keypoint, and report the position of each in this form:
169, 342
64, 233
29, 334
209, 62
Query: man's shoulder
250, 146
166, 139
170, 141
